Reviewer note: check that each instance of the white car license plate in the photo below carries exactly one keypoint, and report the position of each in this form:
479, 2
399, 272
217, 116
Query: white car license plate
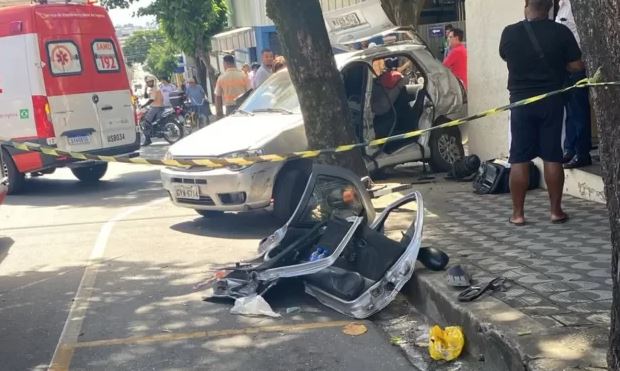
80, 139
187, 191
113, 138
346, 21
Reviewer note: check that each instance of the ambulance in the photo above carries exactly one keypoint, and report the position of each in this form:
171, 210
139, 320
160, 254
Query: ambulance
63, 83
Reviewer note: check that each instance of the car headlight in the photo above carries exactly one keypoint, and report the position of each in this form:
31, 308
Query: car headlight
242, 154
168, 156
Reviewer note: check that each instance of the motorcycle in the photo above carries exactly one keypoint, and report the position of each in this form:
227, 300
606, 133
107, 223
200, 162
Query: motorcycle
166, 126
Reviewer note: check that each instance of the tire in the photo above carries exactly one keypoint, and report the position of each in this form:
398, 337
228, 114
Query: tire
90, 174
9, 170
210, 213
446, 147
145, 135
172, 131
287, 192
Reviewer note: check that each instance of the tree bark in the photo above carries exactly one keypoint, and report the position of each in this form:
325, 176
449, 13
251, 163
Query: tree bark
403, 12
318, 82
602, 50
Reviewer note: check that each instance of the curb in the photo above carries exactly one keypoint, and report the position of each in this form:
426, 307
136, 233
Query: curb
432, 297
501, 337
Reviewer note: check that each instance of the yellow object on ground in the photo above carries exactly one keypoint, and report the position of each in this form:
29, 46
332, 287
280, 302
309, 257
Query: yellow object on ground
354, 329
446, 344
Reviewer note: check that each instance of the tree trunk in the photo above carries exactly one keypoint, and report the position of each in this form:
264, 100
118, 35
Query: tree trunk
318, 82
403, 12
602, 50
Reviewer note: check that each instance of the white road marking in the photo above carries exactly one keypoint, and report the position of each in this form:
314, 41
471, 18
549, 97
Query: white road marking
73, 324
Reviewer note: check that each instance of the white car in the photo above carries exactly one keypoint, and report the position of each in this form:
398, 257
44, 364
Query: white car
270, 122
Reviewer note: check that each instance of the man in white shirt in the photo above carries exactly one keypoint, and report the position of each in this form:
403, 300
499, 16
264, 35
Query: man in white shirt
265, 69
166, 88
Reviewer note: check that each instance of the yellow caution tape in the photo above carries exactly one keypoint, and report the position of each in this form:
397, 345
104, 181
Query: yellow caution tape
220, 162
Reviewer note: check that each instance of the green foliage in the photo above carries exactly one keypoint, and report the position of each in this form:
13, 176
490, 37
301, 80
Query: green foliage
189, 23
139, 43
161, 60
111, 4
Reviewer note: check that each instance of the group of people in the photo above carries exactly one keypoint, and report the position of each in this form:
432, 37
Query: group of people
159, 97
233, 82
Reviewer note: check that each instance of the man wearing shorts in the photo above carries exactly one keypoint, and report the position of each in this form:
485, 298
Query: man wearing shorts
540, 54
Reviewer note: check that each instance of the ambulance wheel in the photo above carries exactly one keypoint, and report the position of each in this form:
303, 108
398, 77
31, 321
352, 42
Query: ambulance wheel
90, 174
9, 170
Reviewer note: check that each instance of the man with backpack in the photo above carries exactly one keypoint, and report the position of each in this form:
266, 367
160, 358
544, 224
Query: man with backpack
540, 54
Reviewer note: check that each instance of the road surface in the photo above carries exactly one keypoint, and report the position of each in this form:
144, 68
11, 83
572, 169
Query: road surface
107, 276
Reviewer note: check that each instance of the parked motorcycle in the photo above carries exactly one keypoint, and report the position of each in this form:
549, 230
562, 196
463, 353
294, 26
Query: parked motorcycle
166, 126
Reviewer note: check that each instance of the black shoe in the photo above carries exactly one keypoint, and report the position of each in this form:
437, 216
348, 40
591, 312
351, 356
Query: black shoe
578, 161
567, 158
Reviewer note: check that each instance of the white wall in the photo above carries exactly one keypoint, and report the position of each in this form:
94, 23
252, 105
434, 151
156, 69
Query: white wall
249, 13
488, 74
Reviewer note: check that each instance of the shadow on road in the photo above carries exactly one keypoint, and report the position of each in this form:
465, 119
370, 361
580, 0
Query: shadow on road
5, 245
113, 191
136, 299
250, 225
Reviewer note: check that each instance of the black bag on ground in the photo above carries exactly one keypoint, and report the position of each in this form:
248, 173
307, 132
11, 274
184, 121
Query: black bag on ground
494, 178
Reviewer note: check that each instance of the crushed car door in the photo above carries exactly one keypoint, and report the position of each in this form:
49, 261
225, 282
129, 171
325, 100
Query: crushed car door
330, 212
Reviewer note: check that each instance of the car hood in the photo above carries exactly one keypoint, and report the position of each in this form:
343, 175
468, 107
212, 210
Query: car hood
235, 133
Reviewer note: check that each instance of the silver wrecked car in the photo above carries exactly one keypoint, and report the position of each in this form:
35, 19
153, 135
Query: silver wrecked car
337, 245
390, 90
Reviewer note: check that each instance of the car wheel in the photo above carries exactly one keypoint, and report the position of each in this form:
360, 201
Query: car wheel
90, 174
287, 192
210, 213
9, 170
446, 147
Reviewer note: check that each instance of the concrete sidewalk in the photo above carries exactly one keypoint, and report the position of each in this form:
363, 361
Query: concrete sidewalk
556, 313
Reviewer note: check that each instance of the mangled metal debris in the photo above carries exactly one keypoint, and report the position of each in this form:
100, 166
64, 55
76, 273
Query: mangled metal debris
335, 242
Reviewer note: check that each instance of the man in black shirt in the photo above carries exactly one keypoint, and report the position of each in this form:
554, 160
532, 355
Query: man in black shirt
540, 53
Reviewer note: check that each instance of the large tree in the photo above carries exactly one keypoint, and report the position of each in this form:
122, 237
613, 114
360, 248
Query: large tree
137, 45
162, 59
190, 25
316, 78
601, 50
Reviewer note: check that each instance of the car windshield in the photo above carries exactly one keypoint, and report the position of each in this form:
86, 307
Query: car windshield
277, 94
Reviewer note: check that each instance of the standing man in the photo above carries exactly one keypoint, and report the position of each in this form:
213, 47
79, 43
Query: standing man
265, 70
540, 53
166, 88
197, 100
457, 59
231, 84
446, 42
578, 140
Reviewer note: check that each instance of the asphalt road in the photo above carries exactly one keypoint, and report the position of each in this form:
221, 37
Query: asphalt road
105, 277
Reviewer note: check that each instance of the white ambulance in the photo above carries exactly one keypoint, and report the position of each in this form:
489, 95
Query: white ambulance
63, 83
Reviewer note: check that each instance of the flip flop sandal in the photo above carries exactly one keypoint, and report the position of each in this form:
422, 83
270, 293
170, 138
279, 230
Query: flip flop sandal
561, 220
474, 292
457, 277
516, 224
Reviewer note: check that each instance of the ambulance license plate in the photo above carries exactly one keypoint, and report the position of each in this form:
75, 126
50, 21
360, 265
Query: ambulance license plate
187, 191
80, 139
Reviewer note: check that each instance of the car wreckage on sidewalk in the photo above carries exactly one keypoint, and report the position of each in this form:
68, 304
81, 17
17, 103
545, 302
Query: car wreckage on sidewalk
336, 243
